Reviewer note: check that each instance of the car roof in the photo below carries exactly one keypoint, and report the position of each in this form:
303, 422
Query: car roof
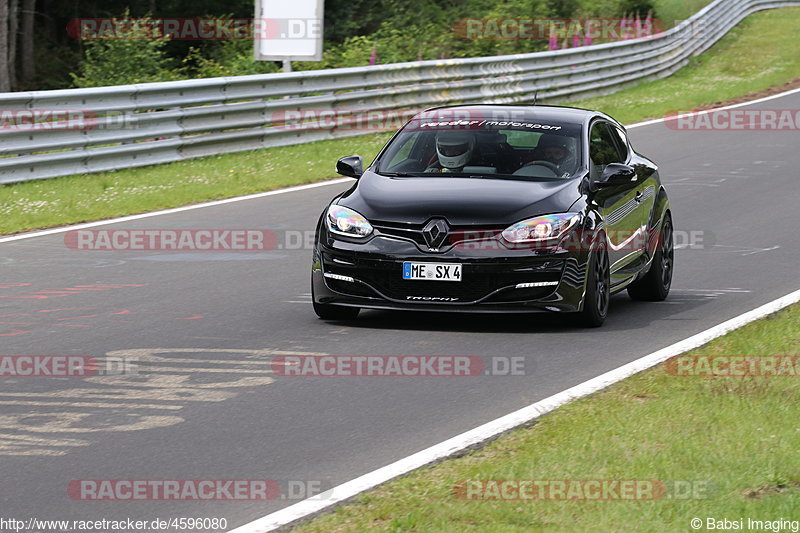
574, 115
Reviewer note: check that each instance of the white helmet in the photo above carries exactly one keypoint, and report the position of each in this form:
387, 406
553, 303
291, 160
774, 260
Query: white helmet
454, 148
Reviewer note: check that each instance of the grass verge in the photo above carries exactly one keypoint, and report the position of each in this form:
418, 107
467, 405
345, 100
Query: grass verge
670, 11
754, 56
732, 440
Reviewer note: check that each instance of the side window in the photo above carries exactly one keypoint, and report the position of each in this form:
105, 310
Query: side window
602, 149
403, 152
622, 139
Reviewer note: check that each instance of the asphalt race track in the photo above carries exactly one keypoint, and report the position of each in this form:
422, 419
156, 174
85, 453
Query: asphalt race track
205, 325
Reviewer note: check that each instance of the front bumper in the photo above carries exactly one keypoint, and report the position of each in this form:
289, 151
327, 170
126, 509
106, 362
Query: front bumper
494, 279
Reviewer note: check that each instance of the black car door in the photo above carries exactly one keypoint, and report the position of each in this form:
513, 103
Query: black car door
647, 183
618, 204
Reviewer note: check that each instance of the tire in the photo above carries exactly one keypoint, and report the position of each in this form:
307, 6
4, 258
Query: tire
598, 288
655, 285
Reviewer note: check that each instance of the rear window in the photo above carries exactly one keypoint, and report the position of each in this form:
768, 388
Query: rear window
521, 139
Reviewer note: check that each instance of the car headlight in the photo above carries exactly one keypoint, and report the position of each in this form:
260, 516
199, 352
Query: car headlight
542, 228
345, 221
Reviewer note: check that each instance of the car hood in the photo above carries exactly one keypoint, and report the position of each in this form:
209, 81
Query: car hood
461, 201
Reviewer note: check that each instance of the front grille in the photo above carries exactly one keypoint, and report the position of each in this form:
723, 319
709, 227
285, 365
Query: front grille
456, 234
410, 232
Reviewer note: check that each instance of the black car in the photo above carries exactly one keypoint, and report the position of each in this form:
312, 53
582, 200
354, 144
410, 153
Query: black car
495, 208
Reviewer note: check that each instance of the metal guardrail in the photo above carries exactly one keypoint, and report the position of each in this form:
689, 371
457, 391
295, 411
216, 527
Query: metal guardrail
135, 125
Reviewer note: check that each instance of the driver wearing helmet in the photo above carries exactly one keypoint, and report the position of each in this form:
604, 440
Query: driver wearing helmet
454, 149
552, 149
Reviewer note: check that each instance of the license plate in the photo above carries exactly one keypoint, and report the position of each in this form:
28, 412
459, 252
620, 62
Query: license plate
432, 271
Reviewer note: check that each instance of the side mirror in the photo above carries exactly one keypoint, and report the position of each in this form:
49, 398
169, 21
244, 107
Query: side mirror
616, 174
352, 166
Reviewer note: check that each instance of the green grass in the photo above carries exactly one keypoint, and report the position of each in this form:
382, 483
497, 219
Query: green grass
735, 438
758, 54
668, 11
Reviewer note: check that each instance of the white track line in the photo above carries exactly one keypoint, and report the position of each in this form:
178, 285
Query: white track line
496, 427
301, 187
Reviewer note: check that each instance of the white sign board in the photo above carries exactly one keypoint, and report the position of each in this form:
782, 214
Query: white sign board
288, 30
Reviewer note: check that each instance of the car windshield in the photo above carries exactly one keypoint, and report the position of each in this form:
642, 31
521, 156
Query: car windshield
507, 148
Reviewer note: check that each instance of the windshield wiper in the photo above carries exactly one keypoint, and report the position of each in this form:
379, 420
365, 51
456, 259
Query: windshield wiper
399, 174
434, 175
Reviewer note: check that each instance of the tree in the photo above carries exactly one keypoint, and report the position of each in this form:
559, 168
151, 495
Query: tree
13, 32
28, 56
5, 79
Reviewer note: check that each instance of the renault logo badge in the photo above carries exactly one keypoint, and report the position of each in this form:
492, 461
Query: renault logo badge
435, 233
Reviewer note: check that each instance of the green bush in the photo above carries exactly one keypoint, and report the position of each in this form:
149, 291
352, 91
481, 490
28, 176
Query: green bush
125, 61
225, 58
